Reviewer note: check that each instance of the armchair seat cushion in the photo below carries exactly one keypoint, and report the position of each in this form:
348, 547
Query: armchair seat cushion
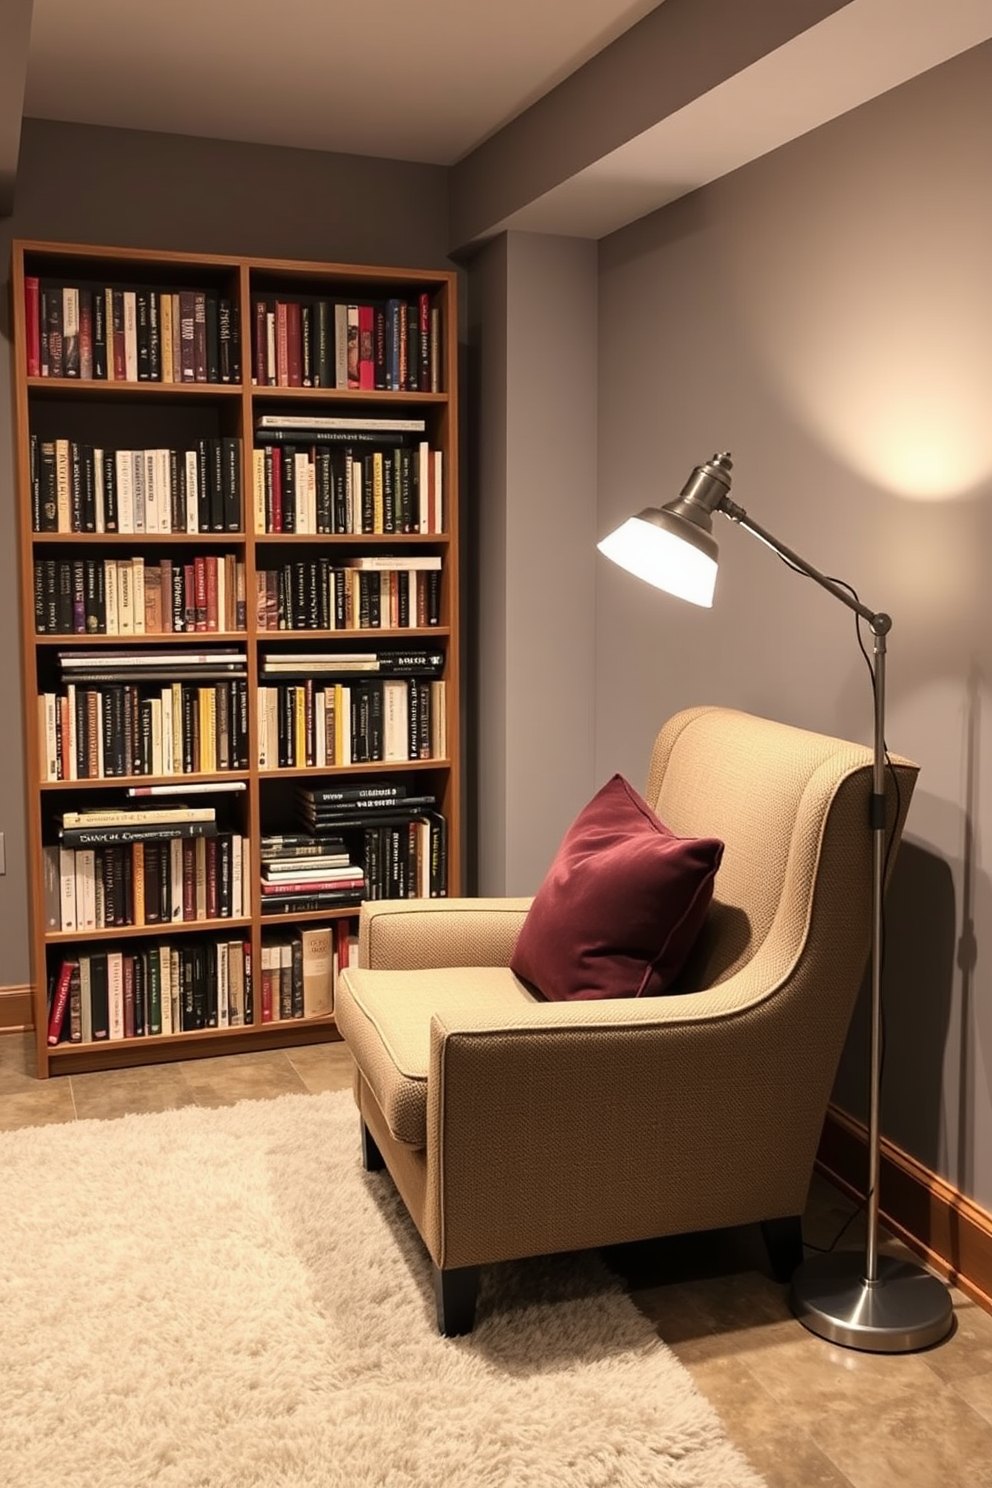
385, 1017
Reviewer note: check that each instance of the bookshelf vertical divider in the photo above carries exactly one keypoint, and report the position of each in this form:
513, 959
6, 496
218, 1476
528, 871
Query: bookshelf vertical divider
237, 493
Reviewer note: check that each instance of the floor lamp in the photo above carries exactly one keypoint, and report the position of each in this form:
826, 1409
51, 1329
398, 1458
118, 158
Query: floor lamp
879, 1303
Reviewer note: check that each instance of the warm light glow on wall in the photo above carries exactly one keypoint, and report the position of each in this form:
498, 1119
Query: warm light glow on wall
877, 336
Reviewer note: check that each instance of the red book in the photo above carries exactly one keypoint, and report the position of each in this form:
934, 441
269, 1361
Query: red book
127, 968
86, 333
32, 323
282, 345
213, 911
424, 343
60, 1001
277, 489
200, 591
189, 878
212, 618
294, 344
366, 346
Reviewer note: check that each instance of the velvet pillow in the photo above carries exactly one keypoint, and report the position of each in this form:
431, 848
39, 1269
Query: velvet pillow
621, 905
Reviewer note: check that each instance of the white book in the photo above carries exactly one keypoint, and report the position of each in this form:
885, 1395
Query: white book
317, 971
70, 696
124, 470
270, 345
223, 986
115, 994
192, 492
140, 492
396, 719
130, 335
85, 889
320, 727
439, 720
270, 979
48, 736
67, 889
237, 850
101, 901
261, 720
167, 732
85, 999
163, 481
246, 877
52, 880
437, 491
177, 728
423, 486
389, 561
156, 713
305, 421
99, 502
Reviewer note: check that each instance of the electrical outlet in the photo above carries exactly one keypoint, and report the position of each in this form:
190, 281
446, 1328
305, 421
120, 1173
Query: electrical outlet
3, 853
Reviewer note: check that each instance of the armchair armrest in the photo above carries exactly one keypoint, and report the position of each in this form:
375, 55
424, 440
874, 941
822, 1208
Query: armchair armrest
419, 934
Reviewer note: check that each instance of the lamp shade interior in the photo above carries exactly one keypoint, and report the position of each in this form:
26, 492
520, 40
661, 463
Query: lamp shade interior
682, 563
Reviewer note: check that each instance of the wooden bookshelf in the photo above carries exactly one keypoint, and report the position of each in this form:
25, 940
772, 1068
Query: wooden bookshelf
299, 545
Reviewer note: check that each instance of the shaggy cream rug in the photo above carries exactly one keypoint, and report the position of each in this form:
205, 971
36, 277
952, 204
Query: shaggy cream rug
222, 1299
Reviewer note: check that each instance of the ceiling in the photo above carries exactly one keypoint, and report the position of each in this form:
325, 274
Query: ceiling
437, 81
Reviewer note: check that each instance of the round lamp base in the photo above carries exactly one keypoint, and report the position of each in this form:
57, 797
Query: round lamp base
904, 1309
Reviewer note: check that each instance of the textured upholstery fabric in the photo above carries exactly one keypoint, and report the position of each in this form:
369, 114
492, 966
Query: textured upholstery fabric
620, 906
548, 1126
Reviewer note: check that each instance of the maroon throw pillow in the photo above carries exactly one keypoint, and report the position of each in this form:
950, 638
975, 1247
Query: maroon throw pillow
621, 905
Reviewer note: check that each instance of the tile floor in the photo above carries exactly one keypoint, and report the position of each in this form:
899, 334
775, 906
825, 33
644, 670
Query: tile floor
808, 1414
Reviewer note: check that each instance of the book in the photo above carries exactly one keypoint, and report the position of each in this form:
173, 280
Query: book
316, 943
60, 1001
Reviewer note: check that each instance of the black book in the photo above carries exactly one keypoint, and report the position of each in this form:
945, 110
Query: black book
230, 449
109, 492
155, 335
99, 334
212, 312
273, 904
99, 1004
143, 335
324, 352
224, 339
145, 832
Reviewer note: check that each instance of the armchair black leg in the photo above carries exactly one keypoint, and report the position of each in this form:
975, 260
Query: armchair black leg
455, 1292
372, 1159
784, 1243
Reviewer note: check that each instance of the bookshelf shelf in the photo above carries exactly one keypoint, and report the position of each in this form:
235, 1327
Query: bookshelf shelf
152, 391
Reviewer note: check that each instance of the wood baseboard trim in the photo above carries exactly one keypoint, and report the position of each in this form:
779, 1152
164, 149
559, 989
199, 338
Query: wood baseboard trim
16, 1011
944, 1227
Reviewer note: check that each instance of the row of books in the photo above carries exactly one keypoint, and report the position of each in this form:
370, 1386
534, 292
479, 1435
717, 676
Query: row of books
126, 333
147, 880
393, 345
307, 487
312, 724
115, 729
368, 593
134, 596
299, 971
78, 487
105, 996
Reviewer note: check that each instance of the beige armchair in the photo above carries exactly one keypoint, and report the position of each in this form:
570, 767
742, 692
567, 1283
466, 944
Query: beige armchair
512, 1126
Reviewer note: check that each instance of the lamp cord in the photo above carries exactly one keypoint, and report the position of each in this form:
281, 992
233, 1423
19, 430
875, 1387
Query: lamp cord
843, 584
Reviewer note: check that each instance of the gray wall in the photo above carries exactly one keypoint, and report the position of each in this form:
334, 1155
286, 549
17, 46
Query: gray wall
132, 189
824, 314
533, 345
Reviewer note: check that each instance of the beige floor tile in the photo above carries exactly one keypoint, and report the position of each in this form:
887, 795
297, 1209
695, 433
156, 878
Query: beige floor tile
968, 1351
771, 1435
104, 1095
323, 1066
42, 1103
977, 1391
257, 1075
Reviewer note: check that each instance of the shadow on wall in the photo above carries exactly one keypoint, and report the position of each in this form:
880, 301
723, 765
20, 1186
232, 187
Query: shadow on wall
921, 951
